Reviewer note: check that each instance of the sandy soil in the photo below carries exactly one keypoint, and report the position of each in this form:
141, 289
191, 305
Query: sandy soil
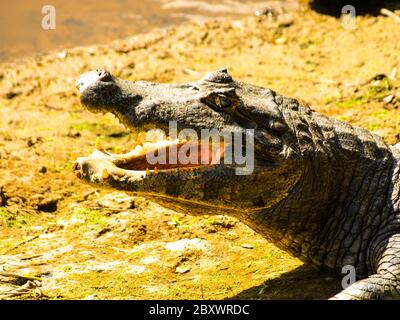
65, 240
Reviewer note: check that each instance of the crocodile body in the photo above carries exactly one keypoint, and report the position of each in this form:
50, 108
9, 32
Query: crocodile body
321, 189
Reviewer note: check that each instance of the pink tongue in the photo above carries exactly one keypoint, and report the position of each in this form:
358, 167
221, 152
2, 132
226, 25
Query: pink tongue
205, 155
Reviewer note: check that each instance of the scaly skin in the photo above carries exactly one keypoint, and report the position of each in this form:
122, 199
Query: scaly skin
321, 189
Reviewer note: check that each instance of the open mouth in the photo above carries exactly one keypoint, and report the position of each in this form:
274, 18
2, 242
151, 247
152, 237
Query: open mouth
170, 154
163, 155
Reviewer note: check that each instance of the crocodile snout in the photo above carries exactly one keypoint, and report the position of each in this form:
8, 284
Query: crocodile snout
89, 78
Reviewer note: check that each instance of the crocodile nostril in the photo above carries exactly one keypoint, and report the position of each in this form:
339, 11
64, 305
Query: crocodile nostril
104, 75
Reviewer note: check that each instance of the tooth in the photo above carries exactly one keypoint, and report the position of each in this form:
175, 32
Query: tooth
105, 174
138, 149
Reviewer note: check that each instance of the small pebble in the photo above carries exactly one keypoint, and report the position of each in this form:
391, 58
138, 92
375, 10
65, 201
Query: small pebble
49, 205
42, 169
388, 99
281, 40
182, 269
11, 94
62, 55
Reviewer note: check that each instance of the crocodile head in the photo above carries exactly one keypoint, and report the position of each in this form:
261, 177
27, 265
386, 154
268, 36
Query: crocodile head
233, 150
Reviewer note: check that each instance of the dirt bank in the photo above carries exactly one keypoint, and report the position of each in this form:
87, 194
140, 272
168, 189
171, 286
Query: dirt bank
76, 242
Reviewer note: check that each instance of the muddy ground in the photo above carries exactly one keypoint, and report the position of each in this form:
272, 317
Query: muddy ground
62, 239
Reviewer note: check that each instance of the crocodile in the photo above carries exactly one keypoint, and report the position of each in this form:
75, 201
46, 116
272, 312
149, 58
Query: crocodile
321, 189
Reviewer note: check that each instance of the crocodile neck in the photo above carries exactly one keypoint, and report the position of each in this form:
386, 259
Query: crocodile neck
342, 199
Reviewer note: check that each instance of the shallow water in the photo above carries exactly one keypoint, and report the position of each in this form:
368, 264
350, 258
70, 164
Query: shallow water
21, 31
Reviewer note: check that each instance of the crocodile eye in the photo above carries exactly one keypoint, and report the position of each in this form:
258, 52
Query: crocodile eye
223, 102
